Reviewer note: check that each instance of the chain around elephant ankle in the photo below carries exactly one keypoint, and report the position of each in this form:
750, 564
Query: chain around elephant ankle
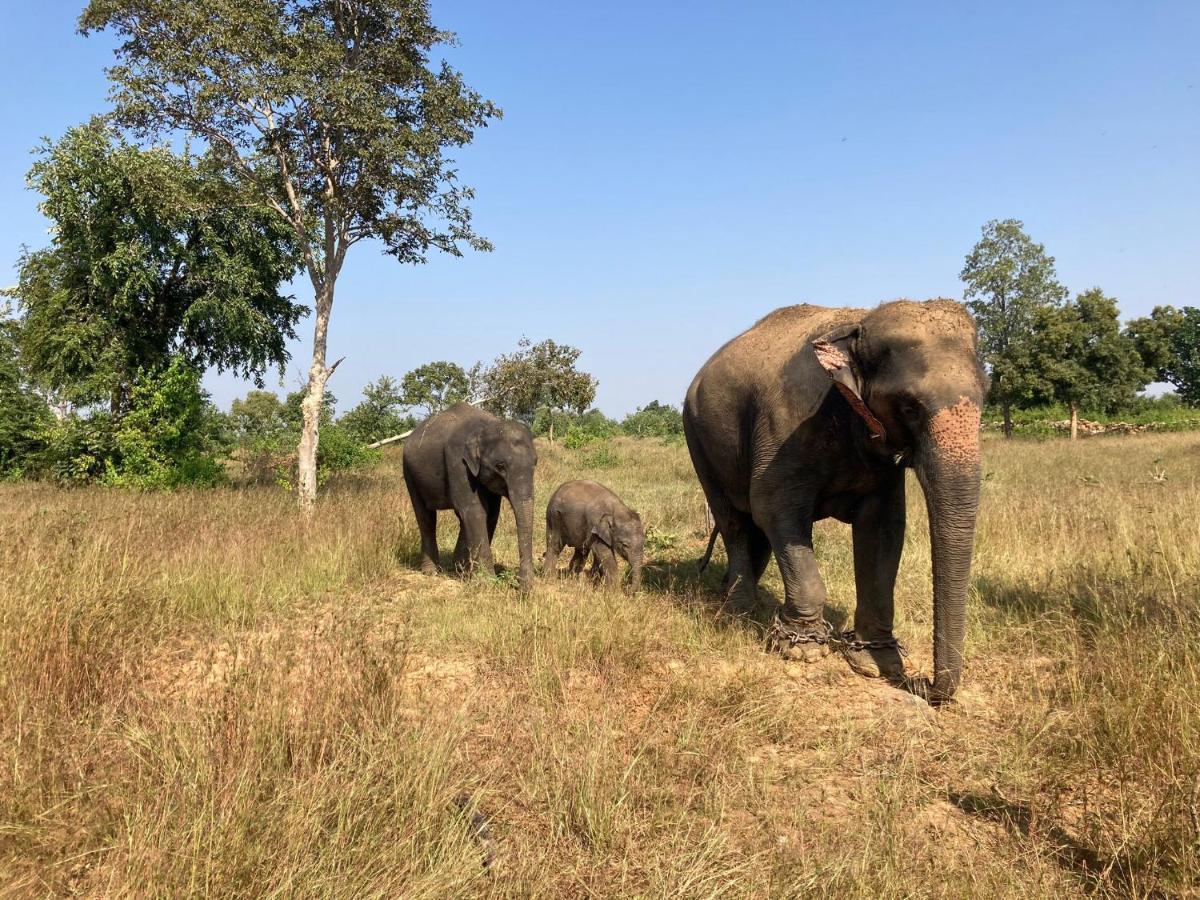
780, 634
847, 640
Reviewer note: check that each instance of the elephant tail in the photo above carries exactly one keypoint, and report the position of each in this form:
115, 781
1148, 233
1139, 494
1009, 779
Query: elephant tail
712, 540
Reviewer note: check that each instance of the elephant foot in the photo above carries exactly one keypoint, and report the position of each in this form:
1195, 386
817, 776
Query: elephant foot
800, 641
873, 659
876, 663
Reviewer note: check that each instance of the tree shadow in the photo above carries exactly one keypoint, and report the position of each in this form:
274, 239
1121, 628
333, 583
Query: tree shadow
1097, 871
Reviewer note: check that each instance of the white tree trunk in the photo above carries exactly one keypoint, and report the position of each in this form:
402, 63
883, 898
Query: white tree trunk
1074, 422
314, 397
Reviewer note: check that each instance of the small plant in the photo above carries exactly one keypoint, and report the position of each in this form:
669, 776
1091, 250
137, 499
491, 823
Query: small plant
602, 457
658, 540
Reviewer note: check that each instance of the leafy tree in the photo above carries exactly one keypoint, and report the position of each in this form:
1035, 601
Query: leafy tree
153, 255
1008, 279
1084, 358
537, 375
24, 416
1169, 343
654, 420
435, 386
329, 110
378, 415
260, 415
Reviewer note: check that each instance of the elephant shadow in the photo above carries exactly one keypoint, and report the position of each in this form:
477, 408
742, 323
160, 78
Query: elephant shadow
1100, 873
702, 594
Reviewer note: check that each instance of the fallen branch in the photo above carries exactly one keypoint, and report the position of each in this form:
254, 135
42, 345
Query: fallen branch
393, 439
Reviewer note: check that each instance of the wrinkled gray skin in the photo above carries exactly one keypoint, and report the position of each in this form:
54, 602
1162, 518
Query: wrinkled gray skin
782, 435
466, 459
592, 519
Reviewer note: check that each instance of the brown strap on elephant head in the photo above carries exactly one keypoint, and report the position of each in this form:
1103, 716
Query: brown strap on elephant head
840, 368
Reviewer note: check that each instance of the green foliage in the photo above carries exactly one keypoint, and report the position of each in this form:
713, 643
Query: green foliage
602, 457
378, 415
295, 413
260, 415
539, 375
1008, 279
1084, 359
153, 255
578, 430
24, 416
165, 438
1169, 343
654, 420
341, 451
434, 386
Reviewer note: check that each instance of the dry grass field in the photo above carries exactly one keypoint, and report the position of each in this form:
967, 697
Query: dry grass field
200, 696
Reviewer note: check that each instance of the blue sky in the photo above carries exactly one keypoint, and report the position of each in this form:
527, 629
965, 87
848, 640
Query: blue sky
666, 173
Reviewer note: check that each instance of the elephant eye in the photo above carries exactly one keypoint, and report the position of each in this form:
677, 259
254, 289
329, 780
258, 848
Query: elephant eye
500, 466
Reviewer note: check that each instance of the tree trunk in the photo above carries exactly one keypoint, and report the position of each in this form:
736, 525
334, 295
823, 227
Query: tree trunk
1074, 422
1007, 419
550, 412
314, 398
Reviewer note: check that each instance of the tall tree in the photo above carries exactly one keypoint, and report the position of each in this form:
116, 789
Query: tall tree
378, 415
24, 416
1083, 356
435, 386
1169, 343
1008, 279
329, 109
537, 375
152, 255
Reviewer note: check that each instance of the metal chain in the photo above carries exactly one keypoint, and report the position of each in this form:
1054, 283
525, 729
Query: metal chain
845, 640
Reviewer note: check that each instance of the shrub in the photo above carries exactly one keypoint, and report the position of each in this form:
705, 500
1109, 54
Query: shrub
654, 420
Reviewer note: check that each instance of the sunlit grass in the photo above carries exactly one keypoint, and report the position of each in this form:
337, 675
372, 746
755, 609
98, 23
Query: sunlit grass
200, 694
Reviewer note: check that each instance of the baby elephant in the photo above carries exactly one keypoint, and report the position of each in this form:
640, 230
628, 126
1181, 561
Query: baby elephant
592, 519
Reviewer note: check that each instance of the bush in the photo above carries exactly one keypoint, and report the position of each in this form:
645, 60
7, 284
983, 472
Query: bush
575, 430
654, 420
168, 437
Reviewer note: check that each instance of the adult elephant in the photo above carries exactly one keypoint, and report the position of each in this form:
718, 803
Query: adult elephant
816, 412
466, 459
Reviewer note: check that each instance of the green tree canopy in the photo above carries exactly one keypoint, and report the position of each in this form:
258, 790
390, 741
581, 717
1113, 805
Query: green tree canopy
24, 416
331, 111
379, 414
536, 375
435, 386
654, 420
1169, 343
1082, 356
260, 414
152, 255
1008, 279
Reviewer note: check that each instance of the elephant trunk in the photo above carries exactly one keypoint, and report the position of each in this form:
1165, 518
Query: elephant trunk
635, 572
523, 511
949, 471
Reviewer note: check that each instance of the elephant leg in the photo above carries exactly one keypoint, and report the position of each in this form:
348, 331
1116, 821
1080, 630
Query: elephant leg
605, 564
554, 545
462, 554
878, 528
474, 549
743, 541
427, 525
804, 591
492, 506
578, 558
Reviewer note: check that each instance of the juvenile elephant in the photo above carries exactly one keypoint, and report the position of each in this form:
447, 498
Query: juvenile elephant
592, 519
466, 459
816, 412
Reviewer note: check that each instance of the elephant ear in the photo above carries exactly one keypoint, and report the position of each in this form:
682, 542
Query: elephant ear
603, 530
837, 354
471, 456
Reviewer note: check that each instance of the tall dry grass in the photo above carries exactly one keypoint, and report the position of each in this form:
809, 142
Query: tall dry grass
200, 695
